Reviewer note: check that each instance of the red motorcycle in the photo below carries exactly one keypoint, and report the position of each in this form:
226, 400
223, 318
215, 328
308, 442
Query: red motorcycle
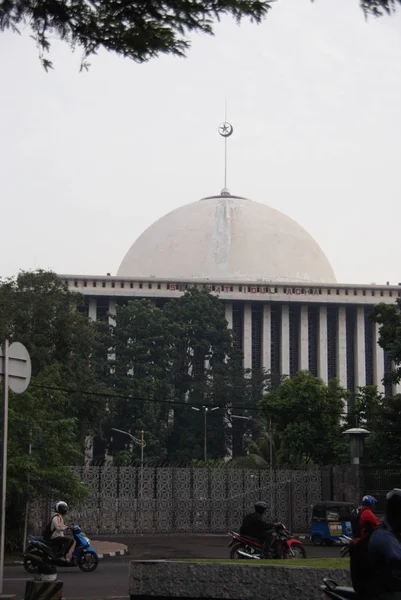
283, 545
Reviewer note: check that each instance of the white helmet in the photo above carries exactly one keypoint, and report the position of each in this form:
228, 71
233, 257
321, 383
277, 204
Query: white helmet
61, 507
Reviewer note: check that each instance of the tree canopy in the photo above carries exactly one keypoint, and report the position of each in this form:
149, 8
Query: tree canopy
388, 316
136, 29
307, 419
382, 417
38, 310
139, 29
378, 7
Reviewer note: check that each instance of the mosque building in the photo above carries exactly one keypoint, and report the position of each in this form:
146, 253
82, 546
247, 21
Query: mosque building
279, 290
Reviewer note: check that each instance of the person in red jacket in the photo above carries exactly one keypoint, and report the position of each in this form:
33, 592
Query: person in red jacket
368, 520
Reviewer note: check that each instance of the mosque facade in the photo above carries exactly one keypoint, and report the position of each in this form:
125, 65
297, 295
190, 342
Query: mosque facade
280, 293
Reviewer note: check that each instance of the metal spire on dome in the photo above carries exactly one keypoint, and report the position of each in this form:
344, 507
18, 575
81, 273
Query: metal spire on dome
225, 130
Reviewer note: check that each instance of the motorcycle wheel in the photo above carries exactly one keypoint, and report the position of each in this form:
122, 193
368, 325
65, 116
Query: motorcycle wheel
298, 551
344, 552
29, 566
234, 551
88, 562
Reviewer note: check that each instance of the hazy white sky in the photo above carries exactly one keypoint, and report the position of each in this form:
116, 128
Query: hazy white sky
88, 160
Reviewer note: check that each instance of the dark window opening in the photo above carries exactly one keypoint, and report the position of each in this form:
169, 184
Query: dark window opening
294, 339
275, 340
369, 325
238, 322
332, 317
313, 316
257, 320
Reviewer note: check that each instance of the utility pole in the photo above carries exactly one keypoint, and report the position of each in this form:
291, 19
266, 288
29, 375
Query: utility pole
206, 410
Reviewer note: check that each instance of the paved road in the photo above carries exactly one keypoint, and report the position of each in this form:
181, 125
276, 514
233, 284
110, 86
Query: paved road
111, 577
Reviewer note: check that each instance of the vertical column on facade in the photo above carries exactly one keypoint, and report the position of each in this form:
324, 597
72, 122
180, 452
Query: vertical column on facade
92, 309
378, 360
342, 346
304, 339
322, 345
228, 308
396, 387
112, 310
360, 361
247, 336
112, 322
285, 340
267, 337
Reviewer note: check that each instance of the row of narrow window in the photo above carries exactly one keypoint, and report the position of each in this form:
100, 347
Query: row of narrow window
183, 287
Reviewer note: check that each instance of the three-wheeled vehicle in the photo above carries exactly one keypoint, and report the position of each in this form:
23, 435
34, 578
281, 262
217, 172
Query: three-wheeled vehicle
330, 521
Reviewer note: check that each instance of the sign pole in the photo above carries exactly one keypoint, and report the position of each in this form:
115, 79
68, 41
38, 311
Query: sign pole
3, 461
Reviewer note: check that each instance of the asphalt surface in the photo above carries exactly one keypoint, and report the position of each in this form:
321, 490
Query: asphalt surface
110, 580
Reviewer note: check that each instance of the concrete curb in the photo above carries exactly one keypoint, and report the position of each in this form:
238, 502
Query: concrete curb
113, 554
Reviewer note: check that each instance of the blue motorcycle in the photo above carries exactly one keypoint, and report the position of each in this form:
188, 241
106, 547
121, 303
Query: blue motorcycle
40, 552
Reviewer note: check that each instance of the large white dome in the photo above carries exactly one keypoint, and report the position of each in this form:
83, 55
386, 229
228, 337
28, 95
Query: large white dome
227, 238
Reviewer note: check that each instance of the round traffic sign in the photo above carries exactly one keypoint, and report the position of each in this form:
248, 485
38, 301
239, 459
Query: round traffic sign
19, 368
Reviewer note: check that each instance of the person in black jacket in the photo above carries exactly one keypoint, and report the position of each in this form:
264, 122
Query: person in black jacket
254, 526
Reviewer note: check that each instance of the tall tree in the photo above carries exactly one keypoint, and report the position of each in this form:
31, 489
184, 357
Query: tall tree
203, 351
134, 29
307, 419
38, 310
388, 316
382, 417
140, 347
40, 418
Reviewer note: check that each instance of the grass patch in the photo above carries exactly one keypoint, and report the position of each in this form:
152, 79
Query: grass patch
317, 563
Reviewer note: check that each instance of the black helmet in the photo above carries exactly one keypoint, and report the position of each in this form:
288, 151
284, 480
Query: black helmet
260, 507
393, 509
61, 507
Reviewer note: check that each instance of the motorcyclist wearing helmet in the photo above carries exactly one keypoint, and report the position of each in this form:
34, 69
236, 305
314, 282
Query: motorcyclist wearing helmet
384, 552
368, 520
254, 526
60, 542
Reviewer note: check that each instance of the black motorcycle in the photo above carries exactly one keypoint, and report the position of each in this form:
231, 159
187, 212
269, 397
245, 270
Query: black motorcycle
283, 545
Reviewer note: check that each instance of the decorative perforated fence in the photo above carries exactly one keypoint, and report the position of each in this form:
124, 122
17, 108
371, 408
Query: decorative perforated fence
378, 482
199, 500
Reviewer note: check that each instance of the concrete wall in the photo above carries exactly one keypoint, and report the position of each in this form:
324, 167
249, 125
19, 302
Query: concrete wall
248, 581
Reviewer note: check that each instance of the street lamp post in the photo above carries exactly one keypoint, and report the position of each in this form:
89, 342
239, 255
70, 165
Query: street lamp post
139, 442
206, 410
271, 451
356, 438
